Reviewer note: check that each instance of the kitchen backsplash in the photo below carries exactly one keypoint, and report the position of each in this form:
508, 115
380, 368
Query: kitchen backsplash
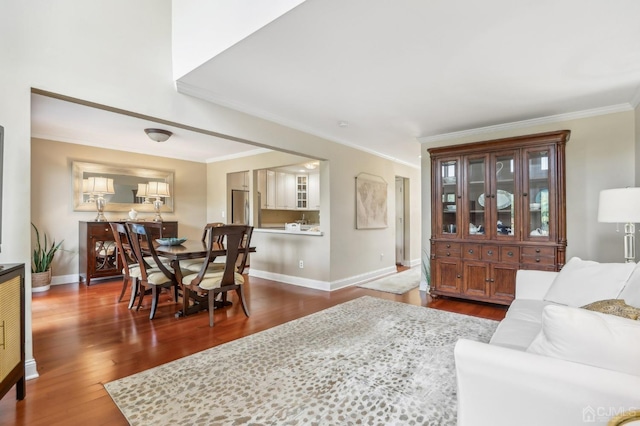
311, 217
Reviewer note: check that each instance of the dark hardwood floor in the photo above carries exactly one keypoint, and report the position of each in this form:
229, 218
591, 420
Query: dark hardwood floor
83, 338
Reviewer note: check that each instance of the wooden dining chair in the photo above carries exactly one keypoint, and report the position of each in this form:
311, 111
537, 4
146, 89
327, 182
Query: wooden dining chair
152, 278
194, 265
214, 282
130, 269
241, 264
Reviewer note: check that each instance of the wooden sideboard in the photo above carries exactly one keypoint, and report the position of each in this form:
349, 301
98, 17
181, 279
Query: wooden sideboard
12, 330
496, 207
98, 256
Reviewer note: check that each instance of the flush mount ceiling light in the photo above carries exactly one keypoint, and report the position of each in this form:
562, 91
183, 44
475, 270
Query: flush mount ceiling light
158, 135
343, 123
311, 166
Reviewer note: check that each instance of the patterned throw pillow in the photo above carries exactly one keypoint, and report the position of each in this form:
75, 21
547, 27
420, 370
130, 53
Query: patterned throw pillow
614, 307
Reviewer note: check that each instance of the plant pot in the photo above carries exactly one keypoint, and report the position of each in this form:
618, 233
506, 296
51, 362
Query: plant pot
40, 281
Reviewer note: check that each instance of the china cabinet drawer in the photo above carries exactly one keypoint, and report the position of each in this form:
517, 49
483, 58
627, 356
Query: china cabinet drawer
509, 254
447, 249
539, 251
538, 260
471, 251
490, 253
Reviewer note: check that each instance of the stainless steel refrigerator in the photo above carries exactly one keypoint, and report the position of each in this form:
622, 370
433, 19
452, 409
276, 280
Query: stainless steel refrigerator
240, 207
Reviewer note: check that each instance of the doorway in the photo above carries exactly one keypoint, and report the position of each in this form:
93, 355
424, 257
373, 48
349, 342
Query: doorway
401, 220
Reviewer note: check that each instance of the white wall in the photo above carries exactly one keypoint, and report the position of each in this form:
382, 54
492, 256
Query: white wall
118, 53
52, 202
203, 29
599, 155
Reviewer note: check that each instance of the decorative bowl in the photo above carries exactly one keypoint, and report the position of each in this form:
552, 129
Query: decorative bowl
170, 241
449, 179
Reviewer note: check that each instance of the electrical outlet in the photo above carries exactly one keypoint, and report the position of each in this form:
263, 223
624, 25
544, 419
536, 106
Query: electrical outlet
222, 213
301, 264
381, 256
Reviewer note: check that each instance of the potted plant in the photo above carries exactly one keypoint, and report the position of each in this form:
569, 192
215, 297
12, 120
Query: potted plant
43, 255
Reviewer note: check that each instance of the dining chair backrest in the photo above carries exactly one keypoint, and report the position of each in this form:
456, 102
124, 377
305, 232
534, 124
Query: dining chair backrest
208, 226
123, 245
234, 236
140, 238
245, 243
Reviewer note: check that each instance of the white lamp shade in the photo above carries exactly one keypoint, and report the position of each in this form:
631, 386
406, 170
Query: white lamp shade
620, 205
142, 190
87, 186
98, 185
158, 189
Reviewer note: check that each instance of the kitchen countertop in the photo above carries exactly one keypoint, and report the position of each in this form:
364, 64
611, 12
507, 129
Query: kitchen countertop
281, 230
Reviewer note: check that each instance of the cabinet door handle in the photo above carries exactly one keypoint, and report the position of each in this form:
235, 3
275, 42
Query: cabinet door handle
510, 253
448, 245
492, 280
458, 276
448, 254
537, 250
490, 252
470, 251
486, 280
524, 194
537, 259
3, 336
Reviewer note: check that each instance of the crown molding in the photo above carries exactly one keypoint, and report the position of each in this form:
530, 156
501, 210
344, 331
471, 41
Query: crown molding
208, 95
529, 123
239, 155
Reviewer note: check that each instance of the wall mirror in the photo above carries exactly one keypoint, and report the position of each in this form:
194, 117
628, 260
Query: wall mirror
125, 184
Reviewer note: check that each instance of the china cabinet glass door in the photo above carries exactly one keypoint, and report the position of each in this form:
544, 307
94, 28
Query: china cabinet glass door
537, 192
505, 186
477, 211
449, 189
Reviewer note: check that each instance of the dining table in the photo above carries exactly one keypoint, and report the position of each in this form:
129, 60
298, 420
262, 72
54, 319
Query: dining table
192, 250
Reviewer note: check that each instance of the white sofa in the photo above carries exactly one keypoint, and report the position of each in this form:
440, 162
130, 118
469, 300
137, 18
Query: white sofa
549, 361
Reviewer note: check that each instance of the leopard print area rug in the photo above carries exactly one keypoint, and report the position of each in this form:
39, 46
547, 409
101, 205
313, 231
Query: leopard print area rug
367, 361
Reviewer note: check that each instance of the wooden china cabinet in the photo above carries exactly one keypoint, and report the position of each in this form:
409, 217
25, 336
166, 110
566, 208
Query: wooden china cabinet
497, 206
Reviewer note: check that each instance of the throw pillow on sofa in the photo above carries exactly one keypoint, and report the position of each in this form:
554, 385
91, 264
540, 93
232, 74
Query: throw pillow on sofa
615, 307
581, 282
631, 291
587, 337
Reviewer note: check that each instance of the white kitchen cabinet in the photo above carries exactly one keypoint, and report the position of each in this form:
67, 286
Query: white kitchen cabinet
285, 191
239, 180
314, 191
302, 192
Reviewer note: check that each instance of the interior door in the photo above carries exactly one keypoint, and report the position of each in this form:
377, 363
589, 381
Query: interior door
399, 221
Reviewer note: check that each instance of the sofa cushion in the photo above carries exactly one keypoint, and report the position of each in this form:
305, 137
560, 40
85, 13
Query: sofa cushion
631, 291
515, 333
527, 309
614, 307
588, 337
581, 282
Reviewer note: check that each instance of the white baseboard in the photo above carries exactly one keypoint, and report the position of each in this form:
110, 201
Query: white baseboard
65, 279
322, 285
30, 369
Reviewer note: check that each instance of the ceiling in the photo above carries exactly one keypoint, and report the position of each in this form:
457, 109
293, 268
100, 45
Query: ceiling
399, 71
59, 120
393, 73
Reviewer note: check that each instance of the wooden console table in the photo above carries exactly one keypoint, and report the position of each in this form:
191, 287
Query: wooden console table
98, 256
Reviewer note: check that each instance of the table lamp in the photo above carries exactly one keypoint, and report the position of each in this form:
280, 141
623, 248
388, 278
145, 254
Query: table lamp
100, 186
159, 190
622, 205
